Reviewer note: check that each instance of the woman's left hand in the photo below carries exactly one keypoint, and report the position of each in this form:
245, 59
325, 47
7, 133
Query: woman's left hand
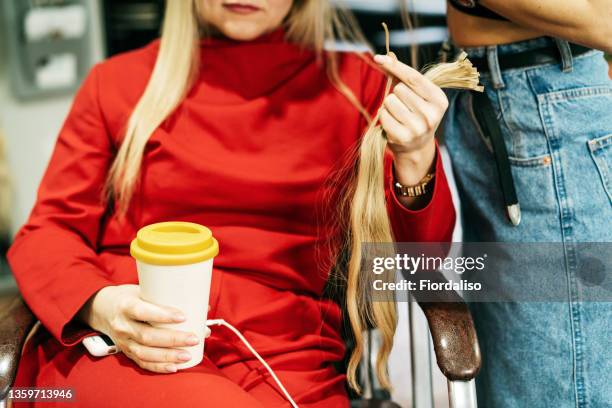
410, 117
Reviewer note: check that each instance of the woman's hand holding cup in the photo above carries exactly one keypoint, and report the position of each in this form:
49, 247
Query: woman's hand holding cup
120, 313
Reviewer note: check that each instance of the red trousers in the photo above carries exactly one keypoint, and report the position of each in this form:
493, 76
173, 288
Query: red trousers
116, 381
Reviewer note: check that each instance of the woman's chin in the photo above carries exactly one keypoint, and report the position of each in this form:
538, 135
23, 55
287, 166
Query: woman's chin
242, 32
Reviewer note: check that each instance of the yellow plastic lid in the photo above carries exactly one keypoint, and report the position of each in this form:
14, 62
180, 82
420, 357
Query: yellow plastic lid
174, 243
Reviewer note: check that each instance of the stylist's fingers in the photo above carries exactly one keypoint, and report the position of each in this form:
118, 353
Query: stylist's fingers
402, 137
431, 113
396, 132
399, 110
138, 309
408, 97
412, 78
148, 335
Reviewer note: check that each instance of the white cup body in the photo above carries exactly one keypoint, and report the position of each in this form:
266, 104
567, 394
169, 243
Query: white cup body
185, 287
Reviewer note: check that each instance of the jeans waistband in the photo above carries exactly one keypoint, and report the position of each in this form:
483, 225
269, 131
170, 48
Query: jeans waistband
492, 53
512, 48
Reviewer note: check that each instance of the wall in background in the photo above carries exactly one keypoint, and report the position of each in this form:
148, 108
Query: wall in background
31, 128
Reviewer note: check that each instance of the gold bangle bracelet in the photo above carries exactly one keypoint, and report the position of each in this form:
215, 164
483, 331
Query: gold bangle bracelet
417, 190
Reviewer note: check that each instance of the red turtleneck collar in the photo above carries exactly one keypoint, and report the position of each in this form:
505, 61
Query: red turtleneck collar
249, 69
275, 36
233, 71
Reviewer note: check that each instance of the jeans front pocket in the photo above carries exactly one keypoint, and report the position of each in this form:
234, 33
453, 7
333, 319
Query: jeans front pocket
576, 122
539, 161
601, 152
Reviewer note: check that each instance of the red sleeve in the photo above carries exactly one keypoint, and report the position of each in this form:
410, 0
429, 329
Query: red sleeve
54, 256
436, 221
433, 223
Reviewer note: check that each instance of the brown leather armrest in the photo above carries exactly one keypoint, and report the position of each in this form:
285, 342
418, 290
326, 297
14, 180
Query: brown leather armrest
452, 329
454, 339
16, 321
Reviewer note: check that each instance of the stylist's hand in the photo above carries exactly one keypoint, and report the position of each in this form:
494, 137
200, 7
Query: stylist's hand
410, 116
120, 313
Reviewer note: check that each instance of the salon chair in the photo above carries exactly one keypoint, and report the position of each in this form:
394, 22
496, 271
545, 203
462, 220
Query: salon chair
450, 323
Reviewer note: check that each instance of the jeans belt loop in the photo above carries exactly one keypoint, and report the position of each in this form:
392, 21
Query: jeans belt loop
494, 68
567, 59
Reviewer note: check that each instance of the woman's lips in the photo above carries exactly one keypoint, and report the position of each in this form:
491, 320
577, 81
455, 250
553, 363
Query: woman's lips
241, 8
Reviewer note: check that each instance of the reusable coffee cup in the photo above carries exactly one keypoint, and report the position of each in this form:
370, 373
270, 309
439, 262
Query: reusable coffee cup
174, 261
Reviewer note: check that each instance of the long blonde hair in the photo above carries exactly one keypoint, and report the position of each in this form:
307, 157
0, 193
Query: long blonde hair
368, 223
311, 24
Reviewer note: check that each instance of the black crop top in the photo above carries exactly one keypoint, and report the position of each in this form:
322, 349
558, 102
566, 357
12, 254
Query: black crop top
473, 8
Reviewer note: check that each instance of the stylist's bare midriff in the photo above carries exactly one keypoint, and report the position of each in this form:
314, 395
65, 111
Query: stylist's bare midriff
471, 31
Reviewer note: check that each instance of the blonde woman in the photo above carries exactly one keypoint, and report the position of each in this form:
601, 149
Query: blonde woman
235, 119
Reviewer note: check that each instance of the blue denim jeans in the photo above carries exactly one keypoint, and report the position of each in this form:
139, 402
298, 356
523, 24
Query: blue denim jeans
556, 122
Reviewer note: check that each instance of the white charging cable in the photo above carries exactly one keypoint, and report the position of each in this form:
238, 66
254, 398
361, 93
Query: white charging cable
221, 322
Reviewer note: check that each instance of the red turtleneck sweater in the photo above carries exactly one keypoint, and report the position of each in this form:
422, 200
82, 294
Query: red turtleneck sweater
247, 154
